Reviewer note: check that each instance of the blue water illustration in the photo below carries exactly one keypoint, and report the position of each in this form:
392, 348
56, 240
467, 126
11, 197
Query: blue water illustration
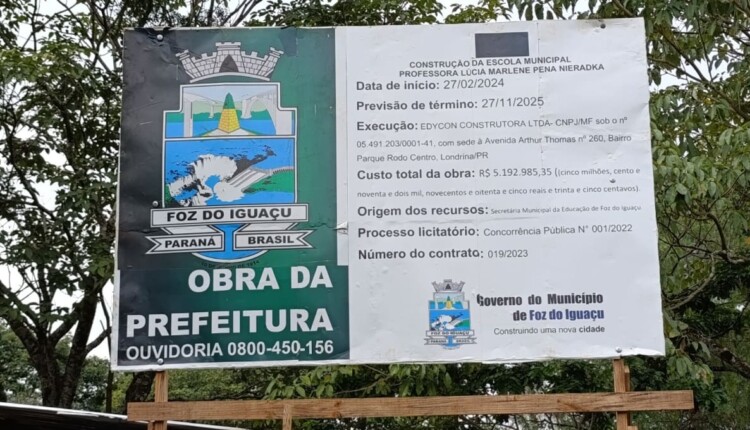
180, 153
212, 180
260, 197
174, 129
459, 317
186, 194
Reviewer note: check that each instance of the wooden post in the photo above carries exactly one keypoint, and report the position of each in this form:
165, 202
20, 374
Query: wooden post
287, 418
622, 385
161, 390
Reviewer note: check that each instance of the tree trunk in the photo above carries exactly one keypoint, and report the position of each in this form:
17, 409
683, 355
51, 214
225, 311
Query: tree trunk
140, 387
44, 361
110, 388
78, 346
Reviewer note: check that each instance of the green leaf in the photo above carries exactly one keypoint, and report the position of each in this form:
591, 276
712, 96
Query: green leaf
712, 189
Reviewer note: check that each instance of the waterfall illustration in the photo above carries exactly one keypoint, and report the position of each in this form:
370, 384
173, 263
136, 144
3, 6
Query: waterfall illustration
201, 184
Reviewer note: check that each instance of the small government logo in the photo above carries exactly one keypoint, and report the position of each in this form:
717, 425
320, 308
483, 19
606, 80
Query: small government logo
229, 162
450, 316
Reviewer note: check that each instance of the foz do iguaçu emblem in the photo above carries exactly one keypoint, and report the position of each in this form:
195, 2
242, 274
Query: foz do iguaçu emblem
229, 168
450, 316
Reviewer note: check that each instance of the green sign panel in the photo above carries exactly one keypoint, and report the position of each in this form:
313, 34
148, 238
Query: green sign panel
226, 249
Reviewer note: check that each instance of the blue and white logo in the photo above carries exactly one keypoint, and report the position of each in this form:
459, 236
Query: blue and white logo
450, 316
229, 174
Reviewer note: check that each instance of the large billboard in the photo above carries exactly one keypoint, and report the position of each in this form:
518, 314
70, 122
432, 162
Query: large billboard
451, 193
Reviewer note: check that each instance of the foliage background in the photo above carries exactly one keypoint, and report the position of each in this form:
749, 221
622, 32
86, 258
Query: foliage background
60, 90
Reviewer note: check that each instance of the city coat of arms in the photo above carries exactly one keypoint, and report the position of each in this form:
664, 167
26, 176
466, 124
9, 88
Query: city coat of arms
450, 316
229, 168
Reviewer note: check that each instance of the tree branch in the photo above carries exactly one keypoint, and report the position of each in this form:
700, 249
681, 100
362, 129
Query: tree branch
685, 297
242, 11
727, 357
622, 8
7, 302
12, 160
210, 15
98, 340
79, 343
80, 309
702, 79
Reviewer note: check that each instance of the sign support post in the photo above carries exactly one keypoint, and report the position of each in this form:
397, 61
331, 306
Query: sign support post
161, 395
287, 419
622, 385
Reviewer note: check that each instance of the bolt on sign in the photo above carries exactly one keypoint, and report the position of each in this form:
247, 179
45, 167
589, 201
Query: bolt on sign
463, 193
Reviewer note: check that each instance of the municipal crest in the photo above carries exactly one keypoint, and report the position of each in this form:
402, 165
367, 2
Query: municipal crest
229, 163
450, 316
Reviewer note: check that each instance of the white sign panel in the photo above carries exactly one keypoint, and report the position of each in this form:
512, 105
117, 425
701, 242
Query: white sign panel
499, 192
